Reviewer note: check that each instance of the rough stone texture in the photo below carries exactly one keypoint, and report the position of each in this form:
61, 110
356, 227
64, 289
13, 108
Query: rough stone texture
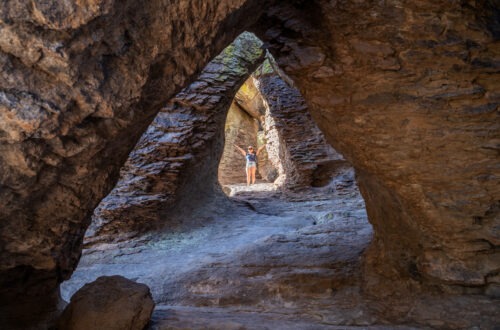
110, 302
408, 92
240, 129
173, 168
306, 158
250, 99
266, 165
80, 82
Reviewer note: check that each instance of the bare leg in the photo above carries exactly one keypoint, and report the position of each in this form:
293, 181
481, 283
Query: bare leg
249, 175
252, 171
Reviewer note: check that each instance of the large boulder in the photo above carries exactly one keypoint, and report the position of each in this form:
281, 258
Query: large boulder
110, 302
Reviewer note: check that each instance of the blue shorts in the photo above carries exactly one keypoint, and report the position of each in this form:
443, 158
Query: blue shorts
251, 164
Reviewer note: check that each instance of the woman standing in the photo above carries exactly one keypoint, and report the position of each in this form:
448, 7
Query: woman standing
251, 157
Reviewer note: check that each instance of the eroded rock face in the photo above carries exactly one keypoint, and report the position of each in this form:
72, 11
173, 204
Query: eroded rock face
408, 93
406, 90
174, 165
306, 158
80, 82
109, 302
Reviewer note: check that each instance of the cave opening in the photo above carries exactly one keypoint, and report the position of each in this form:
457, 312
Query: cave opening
249, 123
407, 91
270, 115
166, 223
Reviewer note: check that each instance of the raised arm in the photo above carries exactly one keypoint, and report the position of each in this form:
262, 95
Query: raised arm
241, 150
260, 149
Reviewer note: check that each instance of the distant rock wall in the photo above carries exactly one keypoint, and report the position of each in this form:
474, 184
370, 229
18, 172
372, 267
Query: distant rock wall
241, 129
296, 153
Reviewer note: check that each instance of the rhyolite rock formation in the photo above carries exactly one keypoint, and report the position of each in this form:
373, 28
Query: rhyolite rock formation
174, 165
407, 91
80, 82
307, 159
110, 302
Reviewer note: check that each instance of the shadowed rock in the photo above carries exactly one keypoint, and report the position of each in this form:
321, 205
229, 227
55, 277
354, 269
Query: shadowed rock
408, 93
80, 82
111, 303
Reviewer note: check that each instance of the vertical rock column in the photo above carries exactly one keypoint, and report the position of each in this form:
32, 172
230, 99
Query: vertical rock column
294, 138
175, 162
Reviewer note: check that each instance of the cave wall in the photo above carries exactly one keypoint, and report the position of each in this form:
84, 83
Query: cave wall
174, 166
80, 82
408, 92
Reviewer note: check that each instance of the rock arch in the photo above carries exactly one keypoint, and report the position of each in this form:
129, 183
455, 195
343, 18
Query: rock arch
296, 154
173, 168
407, 91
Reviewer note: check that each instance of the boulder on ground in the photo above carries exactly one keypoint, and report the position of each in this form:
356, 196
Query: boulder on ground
110, 302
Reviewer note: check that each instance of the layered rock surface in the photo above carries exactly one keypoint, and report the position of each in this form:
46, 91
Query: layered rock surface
174, 165
80, 82
406, 90
408, 93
